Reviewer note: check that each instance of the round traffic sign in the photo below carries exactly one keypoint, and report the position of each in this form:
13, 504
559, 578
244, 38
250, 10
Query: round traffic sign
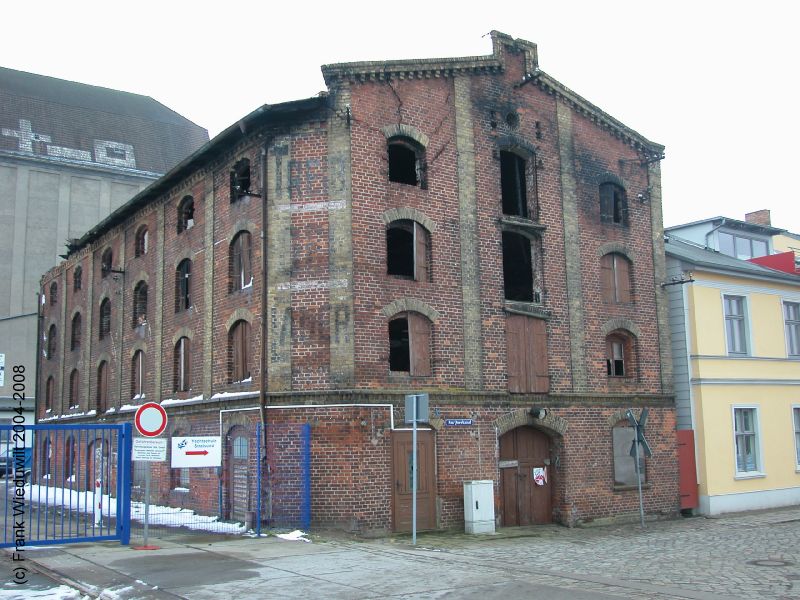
151, 419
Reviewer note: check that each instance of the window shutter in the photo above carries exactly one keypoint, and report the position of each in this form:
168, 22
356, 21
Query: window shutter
421, 241
420, 333
245, 351
607, 278
515, 353
187, 364
538, 378
623, 273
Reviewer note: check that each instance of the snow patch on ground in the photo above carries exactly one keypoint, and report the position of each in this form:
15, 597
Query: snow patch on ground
62, 592
294, 536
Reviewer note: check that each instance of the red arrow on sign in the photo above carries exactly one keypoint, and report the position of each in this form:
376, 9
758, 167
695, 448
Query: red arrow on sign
196, 452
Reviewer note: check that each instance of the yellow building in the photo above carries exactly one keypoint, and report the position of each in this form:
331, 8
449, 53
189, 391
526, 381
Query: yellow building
736, 351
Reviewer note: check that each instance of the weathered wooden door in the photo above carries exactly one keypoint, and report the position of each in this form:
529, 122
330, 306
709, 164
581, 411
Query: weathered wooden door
239, 489
402, 476
525, 451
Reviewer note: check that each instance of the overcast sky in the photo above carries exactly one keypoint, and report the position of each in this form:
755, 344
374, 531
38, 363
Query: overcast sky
714, 82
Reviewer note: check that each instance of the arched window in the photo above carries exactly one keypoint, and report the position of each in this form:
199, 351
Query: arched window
620, 360
105, 319
182, 366
513, 184
239, 352
75, 337
76, 279
240, 180
137, 374
240, 261
47, 455
142, 237
74, 389
613, 204
406, 161
53, 293
69, 459
106, 262
407, 250
185, 214
517, 268
102, 387
410, 344
615, 278
140, 304
50, 390
183, 286
51, 342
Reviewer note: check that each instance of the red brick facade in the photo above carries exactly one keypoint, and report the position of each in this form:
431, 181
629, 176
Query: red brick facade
329, 200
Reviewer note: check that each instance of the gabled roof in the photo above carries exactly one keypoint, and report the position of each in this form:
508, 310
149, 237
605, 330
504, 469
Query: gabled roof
712, 260
732, 224
426, 68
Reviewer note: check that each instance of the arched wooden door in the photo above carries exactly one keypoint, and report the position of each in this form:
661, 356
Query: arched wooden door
238, 475
525, 477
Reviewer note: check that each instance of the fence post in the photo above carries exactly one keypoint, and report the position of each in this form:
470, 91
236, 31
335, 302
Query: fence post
125, 440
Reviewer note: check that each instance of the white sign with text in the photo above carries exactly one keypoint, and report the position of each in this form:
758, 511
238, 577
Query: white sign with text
196, 452
149, 449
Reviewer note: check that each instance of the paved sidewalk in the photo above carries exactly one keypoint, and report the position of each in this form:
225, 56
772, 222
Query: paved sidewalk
751, 555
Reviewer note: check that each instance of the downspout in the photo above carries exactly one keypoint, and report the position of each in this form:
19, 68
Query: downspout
264, 312
36, 386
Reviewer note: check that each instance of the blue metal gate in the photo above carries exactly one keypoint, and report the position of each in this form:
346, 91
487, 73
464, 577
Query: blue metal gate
65, 483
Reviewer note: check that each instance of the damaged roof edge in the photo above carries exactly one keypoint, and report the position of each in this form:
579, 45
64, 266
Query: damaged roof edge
259, 116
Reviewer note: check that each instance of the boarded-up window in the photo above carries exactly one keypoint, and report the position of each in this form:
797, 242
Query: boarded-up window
105, 319
182, 365
51, 342
183, 285
513, 186
53, 293
241, 271
69, 459
615, 278
410, 344
75, 336
77, 277
624, 464
613, 205
526, 348
102, 387
74, 391
239, 351
407, 250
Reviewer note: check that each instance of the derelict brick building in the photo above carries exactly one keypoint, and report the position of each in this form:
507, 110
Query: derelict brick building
467, 227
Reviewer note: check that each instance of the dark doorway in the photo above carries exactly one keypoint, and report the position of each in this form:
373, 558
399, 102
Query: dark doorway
524, 452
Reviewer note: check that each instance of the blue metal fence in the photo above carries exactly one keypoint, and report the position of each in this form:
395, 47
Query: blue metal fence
65, 483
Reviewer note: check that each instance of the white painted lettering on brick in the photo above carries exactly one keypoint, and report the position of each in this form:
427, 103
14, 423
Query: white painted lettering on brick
301, 286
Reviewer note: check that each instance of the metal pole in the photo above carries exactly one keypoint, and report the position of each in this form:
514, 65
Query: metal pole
414, 474
146, 501
638, 474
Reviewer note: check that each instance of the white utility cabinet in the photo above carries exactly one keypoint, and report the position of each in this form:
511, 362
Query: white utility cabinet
479, 506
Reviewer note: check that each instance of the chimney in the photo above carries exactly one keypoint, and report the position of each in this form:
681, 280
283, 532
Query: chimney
759, 217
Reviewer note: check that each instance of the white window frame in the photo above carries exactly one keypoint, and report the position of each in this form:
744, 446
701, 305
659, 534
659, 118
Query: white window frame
759, 470
786, 327
750, 239
796, 431
748, 342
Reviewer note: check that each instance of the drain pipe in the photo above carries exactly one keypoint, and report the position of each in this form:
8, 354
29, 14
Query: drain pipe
262, 397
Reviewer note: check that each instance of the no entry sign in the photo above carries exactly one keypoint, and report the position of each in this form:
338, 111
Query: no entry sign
150, 419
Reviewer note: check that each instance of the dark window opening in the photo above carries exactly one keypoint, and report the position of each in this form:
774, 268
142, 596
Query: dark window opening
76, 279
115, 153
613, 205
75, 338
53, 293
102, 387
137, 373
399, 349
406, 162
240, 180
517, 268
49, 394
106, 262
183, 286
139, 304
141, 241
513, 186
617, 356
69, 459
407, 248
47, 455
74, 398
51, 342
186, 214
105, 319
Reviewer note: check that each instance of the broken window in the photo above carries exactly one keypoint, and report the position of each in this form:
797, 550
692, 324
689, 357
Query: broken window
240, 261
409, 344
181, 364
406, 162
240, 180
75, 337
619, 350
517, 268
407, 248
137, 374
613, 205
513, 185
102, 387
141, 241
139, 304
74, 381
53, 293
106, 262
239, 352
615, 278
186, 214
105, 319
51, 342
183, 285
526, 351
76, 279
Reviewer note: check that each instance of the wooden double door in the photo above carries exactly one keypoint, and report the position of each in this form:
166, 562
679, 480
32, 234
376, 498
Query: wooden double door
402, 474
525, 478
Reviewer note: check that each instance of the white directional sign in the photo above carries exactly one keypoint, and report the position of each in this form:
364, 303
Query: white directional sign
149, 449
196, 452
